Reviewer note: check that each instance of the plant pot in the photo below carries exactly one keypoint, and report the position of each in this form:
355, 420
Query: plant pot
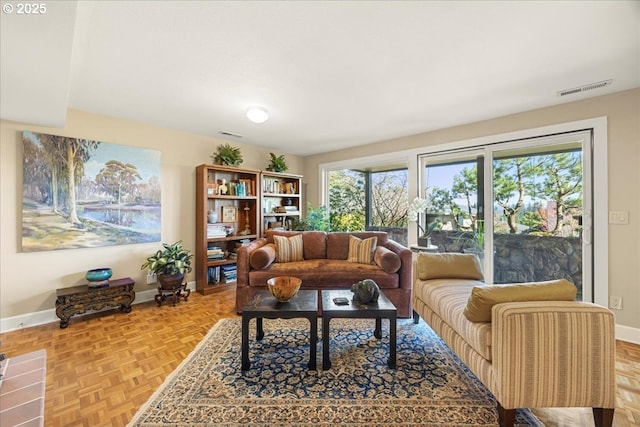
170, 281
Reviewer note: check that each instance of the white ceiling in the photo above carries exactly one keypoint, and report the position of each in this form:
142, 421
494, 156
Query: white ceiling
332, 74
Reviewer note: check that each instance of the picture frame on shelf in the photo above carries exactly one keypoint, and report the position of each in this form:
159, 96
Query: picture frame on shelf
229, 214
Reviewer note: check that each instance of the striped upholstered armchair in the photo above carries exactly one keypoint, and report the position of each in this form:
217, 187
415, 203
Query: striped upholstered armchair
550, 352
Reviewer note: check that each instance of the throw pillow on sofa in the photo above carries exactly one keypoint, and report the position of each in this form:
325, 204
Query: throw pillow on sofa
262, 257
289, 249
361, 251
449, 266
483, 298
387, 260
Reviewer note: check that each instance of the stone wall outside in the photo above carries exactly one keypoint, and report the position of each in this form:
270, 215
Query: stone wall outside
518, 258
522, 258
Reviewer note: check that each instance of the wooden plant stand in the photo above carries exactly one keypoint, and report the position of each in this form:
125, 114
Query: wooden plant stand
174, 295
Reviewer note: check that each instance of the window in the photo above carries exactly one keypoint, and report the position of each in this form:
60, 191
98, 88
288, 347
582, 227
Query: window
535, 188
594, 228
369, 200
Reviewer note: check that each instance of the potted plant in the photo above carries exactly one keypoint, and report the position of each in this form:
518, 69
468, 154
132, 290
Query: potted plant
170, 264
228, 155
277, 163
317, 219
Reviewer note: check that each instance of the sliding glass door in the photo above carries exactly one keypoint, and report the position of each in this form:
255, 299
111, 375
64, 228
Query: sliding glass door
523, 206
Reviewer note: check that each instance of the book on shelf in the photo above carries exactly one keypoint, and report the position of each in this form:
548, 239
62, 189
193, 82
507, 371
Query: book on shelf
229, 272
216, 230
213, 275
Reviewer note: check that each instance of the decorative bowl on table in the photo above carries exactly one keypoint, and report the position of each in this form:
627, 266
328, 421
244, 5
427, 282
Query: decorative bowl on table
283, 288
98, 274
98, 277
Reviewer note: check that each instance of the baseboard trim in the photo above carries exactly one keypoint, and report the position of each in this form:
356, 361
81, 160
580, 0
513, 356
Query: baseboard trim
37, 318
8, 324
627, 333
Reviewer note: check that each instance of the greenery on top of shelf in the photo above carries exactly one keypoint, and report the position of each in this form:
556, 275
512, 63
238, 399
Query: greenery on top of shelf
277, 163
228, 155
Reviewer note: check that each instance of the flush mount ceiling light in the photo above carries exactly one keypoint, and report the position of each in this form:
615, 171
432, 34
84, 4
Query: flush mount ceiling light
257, 114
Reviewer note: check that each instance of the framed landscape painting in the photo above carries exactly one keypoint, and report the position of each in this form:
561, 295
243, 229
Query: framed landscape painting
79, 193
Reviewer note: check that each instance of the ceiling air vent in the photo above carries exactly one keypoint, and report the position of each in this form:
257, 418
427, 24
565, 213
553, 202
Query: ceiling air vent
225, 133
590, 86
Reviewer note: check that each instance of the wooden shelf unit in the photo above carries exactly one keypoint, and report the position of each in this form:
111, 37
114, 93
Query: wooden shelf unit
279, 191
243, 200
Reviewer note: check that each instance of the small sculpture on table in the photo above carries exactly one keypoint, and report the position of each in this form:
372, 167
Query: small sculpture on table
365, 291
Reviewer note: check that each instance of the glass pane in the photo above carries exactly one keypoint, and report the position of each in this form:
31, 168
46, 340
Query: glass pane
538, 215
347, 201
388, 206
453, 220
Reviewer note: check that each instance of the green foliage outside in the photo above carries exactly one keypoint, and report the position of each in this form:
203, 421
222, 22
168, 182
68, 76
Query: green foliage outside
523, 187
347, 200
317, 219
347, 195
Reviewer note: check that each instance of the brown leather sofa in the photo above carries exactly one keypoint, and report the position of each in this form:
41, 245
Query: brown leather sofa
325, 266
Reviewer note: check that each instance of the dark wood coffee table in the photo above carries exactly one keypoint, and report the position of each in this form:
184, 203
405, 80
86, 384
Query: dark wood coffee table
264, 305
382, 309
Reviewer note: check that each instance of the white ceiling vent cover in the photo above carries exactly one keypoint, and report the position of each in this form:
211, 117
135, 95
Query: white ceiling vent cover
590, 86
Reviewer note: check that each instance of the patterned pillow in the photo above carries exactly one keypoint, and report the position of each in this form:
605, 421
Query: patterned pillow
288, 249
361, 251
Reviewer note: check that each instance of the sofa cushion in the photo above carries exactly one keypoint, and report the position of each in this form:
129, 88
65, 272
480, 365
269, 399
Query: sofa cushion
314, 243
262, 257
338, 242
386, 259
361, 251
447, 298
449, 266
288, 249
483, 298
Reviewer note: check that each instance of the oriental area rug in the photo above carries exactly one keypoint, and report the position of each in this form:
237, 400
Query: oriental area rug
430, 387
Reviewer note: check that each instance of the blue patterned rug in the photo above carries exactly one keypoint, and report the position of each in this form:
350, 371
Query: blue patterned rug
430, 387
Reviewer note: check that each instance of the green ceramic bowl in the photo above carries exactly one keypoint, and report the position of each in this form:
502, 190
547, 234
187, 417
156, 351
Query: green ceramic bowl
98, 274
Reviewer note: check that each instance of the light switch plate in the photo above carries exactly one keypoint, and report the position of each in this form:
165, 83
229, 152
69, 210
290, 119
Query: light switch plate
618, 217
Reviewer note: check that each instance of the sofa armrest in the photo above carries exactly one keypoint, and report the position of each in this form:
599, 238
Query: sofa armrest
406, 264
242, 263
553, 354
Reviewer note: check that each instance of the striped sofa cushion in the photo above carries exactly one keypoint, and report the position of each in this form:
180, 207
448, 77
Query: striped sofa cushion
448, 299
361, 251
288, 249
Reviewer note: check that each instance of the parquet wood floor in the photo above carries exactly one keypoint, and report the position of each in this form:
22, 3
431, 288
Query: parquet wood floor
104, 366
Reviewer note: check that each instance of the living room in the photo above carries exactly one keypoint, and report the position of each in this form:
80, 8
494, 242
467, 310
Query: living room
28, 280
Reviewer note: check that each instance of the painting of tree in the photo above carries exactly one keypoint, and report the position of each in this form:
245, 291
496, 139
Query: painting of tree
83, 193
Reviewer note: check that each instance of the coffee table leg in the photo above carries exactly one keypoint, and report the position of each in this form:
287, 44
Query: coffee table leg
392, 343
378, 331
245, 343
313, 340
259, 330
326, 362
